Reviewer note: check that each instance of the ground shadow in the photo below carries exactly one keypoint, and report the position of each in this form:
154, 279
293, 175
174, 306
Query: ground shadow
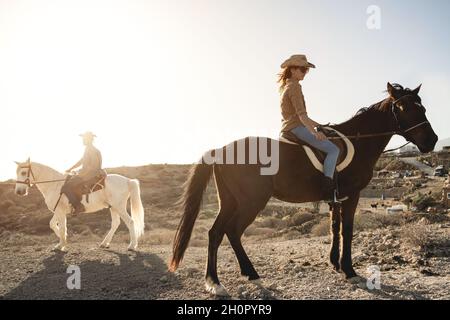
137, 276
393, 292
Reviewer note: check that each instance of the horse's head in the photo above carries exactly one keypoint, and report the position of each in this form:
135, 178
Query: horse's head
411, 121
24, 175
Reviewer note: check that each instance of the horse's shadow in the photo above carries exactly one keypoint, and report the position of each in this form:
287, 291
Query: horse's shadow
136, 276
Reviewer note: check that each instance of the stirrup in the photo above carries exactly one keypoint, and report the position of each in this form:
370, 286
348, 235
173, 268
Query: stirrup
336, 199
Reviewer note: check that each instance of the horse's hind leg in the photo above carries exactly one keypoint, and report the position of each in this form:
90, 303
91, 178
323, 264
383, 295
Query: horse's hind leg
215, 235
247, 269
115, 222
130, 225
335, 216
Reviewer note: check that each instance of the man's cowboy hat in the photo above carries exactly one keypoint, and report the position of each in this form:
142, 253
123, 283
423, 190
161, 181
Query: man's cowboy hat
297, 60
88, 134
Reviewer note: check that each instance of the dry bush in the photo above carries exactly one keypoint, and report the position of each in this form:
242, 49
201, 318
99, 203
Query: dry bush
368, 220
422, 201
253, 230
271, 223
417, 235
382, 163
157, 237
396, 164
322, 228
279, 210
300, 218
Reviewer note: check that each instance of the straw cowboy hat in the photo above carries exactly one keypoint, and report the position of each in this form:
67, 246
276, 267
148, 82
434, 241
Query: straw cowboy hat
297, 60
88, 134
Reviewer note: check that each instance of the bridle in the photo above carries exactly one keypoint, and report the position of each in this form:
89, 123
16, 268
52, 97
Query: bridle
30, 173
27, 181
393, 109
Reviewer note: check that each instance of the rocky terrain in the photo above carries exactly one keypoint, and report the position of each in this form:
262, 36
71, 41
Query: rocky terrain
288, 244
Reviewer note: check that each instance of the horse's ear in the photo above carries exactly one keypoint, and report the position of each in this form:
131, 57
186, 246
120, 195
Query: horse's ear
391, 90
416, 90
18, 163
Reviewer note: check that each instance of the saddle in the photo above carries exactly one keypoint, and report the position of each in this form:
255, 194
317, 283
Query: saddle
319, 154
96, 183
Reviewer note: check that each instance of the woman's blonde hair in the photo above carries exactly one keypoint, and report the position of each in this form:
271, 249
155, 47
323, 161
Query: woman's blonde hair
284, 74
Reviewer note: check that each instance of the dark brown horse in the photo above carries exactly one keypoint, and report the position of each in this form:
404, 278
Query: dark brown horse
243, 191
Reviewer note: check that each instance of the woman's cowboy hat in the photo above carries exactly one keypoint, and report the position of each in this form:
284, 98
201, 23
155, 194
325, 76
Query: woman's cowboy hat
297, 60
88, 134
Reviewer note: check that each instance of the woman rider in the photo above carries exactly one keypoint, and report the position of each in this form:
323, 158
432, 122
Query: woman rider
295, 117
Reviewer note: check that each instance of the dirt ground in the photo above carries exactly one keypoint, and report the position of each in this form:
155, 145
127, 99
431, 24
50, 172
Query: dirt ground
290, 269
288, 245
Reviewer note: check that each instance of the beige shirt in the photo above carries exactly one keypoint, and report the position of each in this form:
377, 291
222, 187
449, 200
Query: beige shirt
292, 105
91, 162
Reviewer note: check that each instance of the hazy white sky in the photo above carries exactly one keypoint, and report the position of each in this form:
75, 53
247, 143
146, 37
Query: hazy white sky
164, 81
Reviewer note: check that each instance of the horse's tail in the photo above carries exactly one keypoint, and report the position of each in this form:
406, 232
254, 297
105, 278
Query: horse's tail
190, 201
137, 210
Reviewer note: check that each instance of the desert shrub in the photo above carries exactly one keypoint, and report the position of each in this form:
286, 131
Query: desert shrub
396, 164
270, 222
300, 218
322, 228
416, 235
367, 220
382, 163
253, 230
422, 201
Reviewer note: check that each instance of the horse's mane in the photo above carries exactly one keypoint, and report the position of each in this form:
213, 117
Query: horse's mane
47, 168
382, 106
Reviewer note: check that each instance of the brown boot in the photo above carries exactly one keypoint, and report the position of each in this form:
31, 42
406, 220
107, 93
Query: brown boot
328, 187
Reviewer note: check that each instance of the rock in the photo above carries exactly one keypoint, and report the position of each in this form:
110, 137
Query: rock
163, 279
428, 272
298, 269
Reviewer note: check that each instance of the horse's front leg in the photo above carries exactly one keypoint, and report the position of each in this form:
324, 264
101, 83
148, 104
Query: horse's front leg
335, 215
347, 216
54, 225
59, 223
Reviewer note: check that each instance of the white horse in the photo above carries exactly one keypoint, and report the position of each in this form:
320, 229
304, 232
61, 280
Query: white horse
118, 189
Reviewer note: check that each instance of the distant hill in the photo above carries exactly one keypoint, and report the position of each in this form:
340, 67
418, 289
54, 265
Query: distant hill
441, 143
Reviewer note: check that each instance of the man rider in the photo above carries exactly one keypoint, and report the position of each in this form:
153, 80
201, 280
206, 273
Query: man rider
91, 164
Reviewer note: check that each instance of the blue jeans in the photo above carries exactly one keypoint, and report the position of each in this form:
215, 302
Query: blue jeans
326, 146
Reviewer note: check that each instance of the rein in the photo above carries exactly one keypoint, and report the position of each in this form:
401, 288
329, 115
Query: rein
399, 131
30, 173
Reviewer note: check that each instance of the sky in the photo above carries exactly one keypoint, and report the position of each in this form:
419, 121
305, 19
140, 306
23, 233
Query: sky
163, 81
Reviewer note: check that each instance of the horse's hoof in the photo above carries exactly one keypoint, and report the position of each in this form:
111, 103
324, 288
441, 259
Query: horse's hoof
132, 248
104, 245
59, 249
216, 290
